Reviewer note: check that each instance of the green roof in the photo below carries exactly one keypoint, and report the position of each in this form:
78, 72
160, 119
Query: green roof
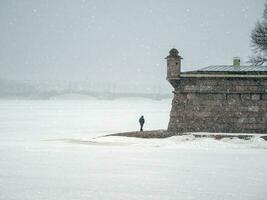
231, 68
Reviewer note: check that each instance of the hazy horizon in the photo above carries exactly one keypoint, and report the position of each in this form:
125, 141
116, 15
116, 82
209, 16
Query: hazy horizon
120, 42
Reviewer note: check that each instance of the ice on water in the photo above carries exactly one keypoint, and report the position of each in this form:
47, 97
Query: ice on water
54, 150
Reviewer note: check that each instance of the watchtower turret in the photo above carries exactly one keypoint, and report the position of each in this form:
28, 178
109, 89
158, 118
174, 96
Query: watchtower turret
173, 65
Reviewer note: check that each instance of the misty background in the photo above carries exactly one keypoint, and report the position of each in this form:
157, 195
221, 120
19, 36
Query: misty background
116, 46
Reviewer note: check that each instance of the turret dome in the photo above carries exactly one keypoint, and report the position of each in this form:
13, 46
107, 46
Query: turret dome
174, 52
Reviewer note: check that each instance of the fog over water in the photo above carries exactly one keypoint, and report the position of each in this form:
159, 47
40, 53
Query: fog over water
120, 43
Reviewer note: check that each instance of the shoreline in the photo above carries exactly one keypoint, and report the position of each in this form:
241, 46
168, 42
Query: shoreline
160, 134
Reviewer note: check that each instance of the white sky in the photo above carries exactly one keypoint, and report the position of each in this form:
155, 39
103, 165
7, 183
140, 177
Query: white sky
120, 40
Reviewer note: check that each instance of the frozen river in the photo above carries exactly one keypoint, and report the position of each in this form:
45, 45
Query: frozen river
51, 150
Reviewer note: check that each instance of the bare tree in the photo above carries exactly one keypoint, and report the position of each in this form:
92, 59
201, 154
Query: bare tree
259, 41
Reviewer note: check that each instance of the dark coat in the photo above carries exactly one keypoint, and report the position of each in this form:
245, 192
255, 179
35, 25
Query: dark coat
142, 120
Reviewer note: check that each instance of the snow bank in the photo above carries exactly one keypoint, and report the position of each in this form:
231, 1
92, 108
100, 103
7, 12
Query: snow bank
184, 141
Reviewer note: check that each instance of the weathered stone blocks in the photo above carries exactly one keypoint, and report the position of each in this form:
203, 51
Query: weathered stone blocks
236, 105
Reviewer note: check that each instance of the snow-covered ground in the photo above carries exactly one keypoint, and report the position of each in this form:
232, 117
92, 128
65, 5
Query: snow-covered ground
53, 150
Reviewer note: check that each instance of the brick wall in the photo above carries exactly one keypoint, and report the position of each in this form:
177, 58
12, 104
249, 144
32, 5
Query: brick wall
234, 105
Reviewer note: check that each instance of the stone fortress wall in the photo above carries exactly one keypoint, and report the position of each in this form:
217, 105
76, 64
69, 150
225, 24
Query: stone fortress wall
212, 104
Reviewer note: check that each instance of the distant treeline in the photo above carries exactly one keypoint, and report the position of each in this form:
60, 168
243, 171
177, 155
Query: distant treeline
25, 90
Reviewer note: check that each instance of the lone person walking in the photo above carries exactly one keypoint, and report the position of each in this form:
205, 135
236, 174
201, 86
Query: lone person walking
141, 122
